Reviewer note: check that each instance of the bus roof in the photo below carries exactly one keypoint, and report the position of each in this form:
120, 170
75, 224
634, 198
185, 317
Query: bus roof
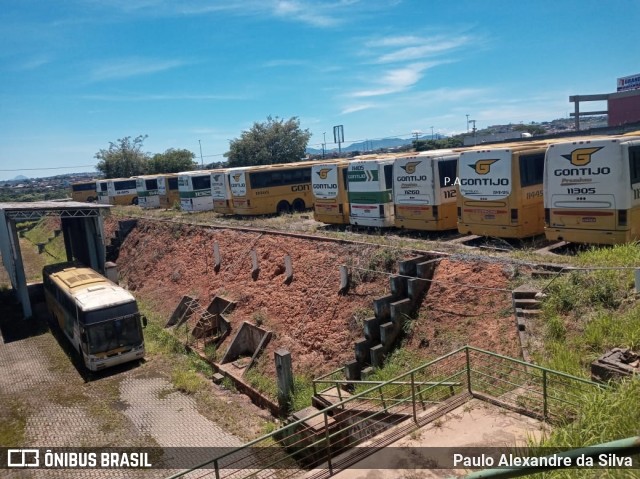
90, 289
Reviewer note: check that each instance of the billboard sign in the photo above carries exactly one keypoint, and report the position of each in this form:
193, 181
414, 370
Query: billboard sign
629, 83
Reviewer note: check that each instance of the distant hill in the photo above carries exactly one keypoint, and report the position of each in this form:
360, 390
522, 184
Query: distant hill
20, 178
368, 145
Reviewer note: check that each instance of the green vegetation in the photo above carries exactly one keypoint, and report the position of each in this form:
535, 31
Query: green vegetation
14, 414
125, 158
269, 142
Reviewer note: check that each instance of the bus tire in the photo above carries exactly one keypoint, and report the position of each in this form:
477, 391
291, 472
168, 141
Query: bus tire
134, 201
91, 199
298, 205
283, 208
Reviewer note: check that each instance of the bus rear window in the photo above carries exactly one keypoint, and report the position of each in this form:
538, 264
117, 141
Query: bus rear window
531, 169
388, 177
151, 184
201, 182
173, 183
447, 170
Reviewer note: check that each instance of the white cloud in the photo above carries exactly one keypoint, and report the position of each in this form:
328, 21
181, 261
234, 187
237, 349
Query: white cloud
131, 67
164, 97
396, 80
354, 108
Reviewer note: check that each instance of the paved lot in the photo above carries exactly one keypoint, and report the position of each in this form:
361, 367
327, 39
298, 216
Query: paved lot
46, 402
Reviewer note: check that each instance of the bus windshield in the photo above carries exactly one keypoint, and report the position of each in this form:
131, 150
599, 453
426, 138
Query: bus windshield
118, 333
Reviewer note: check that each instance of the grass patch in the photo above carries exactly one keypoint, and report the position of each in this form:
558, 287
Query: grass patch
14, 419
187, 381
262, 383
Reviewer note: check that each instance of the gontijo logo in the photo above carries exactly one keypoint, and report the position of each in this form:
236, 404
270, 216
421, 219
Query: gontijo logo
323, 173
482, 167
581, 156
410, 167
215, 177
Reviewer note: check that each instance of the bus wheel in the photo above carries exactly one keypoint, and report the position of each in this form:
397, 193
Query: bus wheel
283, 208
91, 199
134, 201
298, 205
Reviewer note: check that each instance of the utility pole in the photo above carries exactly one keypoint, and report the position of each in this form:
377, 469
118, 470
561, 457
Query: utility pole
201, 160
474, 131
324, 142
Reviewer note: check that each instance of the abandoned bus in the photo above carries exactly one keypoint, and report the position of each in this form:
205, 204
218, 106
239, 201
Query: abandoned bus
329, 186
592, 190
370, 184
500, 191
221, 191
269, 189
424, 191
195, 190
157, 191
99, 318
117, 191
84, 191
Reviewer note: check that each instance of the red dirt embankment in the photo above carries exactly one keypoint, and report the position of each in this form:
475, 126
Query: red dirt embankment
465, 306
163, 262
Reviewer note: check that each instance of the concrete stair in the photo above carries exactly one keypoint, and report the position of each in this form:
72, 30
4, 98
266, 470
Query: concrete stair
391, 312
526, 306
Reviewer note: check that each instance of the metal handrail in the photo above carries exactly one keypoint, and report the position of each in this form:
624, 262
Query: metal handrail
408, 397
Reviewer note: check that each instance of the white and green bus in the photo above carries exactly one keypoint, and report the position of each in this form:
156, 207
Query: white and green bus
370, 184
195, 190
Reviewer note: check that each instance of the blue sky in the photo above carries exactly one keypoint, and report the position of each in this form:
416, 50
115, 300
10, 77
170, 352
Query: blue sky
77, 74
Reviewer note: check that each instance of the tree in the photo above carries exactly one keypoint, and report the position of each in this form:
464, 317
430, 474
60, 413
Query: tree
172, 161
123, 158
273, 141
444, 143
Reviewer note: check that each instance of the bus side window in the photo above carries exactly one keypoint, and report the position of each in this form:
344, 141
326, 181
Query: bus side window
388, 176
634, 164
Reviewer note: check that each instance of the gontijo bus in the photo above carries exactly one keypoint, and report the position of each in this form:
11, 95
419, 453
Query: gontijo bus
370, 186
221, 191
99, 318
501, 191
269, 189
195, 190
157, 191
592, 190
329, 186
84, 191
117, 191
424, 191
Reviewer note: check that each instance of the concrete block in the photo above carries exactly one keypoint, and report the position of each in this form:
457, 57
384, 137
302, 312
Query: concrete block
400, 310
372, 329
408, 267
362, 348
388, 334
377, 356
381, 306
352, 371
398, 286
217, 378
416, 289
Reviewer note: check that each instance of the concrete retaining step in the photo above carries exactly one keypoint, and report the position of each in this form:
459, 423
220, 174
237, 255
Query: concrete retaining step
526, 303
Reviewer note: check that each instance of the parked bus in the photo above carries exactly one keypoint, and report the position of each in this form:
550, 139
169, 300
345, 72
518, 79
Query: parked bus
269, 189
101, 191
592, 190
370, 183
221, 191
329, 186
500, 191
99, 318
84, 191
195, 190
117, 191
424, 191
157, 191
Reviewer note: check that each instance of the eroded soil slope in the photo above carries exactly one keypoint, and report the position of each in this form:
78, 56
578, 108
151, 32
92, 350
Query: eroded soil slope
465, 305
161, 262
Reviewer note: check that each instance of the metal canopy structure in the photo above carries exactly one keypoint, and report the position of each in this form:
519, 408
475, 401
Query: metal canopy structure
82, 227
